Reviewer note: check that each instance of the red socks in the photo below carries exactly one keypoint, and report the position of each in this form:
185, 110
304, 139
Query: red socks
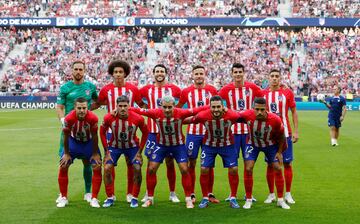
193, 178
130, 178
234, 183
279, 182
288, 173
248, 182
211, 180
186, 183
204, 182
63, 181
136, 190
171, 175
151, 181
96, 182
270, 177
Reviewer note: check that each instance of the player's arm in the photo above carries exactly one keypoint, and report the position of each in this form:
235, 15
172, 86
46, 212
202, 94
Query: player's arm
295, 134
103, 130
193, 111
144, 135
152, 113
60, 110
327, 104
281, 140
94, 133
343, 112
243, 116
94, 96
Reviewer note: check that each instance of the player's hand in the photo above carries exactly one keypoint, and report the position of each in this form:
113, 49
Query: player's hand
138, 157
107, 158
96, 158
295, 137
279, 157
225, 109
65, 160
114, 113
341, 119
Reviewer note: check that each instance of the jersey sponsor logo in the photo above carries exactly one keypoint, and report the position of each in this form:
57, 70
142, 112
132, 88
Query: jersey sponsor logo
86, 126
200, 103
169, 130
123, 136
241, 104
218, 133
273, 107
158, 102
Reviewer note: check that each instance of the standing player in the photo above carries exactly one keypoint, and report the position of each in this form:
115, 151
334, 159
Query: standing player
123, 141
119, 70
337, 111
239, 96
170, 141
266, 134
279, 100
154, 93
194, 96
218, 140
70, 91
80, 141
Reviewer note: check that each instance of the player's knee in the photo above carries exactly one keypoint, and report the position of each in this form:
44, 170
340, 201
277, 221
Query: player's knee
108, 168
248, 169
192, 163
233, 170
96, 167
204, 170
169, 161
277, 167
287, 165
184, 170
151, 170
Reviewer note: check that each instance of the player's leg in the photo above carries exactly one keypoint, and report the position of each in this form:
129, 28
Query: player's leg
288, 171
337, 131
131, 154
237, 148
63, 181
149, 147
171, 176
230, 161
87, 174
208, 156
130, 179
109, 173
250, 156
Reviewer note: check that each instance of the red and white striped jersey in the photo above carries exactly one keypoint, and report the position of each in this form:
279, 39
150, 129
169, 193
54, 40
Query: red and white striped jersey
81, 130
240, 99
123, 131
109, 93
279, 102
263, 133
217, 131
153, 95
197, 97
170, 129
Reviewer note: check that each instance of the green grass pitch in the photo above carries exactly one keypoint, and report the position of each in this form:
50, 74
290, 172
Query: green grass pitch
326, 183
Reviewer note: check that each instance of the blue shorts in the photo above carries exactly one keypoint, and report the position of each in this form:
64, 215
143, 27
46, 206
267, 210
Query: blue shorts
334, 122
130, 153
288, 156
178, 152
240, 142
193, 144
227, 153
151, 144
252, 152
80, 150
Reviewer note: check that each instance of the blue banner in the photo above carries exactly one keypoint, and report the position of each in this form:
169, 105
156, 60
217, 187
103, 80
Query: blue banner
350, 106
27, 102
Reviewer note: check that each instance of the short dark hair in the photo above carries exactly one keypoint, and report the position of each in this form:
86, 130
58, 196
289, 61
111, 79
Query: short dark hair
122, 99
237, 65
80, 100
275, 70
77, 62
121, 64
197, 67
161, 66
216, 98
259, 100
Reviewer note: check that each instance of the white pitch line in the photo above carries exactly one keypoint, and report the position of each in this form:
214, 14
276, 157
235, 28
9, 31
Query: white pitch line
25, 129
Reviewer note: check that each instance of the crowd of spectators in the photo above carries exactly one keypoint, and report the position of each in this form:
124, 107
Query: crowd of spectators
326, 8
7, 43
330, 57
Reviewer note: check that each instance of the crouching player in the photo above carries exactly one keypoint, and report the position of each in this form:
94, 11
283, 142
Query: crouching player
81, 142
123, 140
266, 134
171, 140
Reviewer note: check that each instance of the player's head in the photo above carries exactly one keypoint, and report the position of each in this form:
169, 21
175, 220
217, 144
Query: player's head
160, 73
337, 90
238, 72
274, 78
216, 106
122, 105
198, 74
119, 69
78, 70
168, 105
260, 108
81, 107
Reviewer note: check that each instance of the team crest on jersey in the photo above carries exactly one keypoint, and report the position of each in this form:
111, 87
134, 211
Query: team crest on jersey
266, 129
280, 98
87, 92
166, 92
207, 95
158, 102
247, 92
241, 104
273, 107
123, 136
86, 126
127, 93
200, 103
130, 128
